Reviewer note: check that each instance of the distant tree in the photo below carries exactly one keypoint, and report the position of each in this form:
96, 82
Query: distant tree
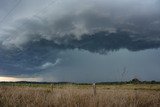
153, 82
135, 80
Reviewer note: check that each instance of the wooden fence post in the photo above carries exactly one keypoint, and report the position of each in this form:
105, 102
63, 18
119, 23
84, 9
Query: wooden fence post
94, 89
51, 87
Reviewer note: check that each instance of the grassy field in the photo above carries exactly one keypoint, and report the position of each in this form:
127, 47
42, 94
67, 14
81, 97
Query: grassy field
46, 95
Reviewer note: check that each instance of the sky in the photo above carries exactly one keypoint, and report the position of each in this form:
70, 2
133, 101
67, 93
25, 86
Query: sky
79, 41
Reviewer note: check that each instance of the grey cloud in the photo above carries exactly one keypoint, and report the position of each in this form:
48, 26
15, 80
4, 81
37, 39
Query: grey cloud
68, 20
48, 65
32, 45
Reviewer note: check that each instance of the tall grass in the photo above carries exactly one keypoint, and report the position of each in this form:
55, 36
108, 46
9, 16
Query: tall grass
73, 96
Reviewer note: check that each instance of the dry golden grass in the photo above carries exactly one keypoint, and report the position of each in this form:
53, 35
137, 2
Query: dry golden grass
81, 96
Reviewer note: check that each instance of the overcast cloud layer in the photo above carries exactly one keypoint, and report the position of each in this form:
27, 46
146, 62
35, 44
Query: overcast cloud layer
66, 20
36, 33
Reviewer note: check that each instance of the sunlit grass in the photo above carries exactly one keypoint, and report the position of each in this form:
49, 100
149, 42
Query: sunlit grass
69, 95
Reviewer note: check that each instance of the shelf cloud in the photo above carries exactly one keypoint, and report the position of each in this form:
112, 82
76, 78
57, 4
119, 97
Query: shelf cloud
71, 20
34, 41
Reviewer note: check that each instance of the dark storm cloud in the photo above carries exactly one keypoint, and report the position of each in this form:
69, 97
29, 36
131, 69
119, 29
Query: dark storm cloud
130, 24
32, 43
